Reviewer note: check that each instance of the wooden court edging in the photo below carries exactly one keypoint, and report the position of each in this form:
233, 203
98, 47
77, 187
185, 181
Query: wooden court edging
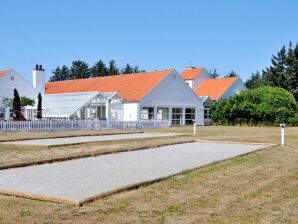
39, 197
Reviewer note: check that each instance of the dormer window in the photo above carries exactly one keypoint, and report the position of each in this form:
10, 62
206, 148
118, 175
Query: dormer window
12, 78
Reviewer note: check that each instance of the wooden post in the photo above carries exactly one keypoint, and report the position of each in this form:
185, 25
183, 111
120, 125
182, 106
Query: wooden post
282, 126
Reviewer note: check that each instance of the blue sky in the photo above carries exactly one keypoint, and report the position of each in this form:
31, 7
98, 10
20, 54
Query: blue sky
227, 35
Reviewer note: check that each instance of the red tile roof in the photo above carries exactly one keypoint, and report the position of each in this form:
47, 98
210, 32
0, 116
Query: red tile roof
4, 72
131, 87
215, 88
191, 73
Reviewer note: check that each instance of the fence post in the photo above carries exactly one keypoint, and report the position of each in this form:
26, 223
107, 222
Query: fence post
194, 127
282, 126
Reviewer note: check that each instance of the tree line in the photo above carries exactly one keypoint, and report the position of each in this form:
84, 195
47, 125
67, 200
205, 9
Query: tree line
80, 69
215, 74
283, 71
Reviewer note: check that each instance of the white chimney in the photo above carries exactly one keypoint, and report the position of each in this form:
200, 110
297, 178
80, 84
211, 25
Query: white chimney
38, 78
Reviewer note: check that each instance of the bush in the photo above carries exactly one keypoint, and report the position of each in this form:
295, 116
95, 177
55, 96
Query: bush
260, 106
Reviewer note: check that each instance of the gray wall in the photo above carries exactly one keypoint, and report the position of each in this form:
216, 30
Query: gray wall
235, 88
200, 78
173, 91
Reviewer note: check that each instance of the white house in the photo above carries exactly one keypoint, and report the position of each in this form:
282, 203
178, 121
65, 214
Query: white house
195, 76
10, 80
149, 96
216, 88
211, 89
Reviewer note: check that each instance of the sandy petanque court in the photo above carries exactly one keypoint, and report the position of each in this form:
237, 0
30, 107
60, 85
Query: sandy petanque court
81, 180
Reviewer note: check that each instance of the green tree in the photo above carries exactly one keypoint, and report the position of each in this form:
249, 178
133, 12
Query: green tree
128, 69
79, 70
231, 74
275, 75
25, 101
214, 73
99, 69
256, 80
292, 69
113, 68
261, 106
137, 70
60, 74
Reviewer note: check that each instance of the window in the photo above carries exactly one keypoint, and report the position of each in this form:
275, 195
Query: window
162, 114
190, 115
147, 113
177, 116
207, 114
12, 78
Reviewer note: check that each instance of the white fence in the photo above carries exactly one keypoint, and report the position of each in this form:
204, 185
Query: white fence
38, 126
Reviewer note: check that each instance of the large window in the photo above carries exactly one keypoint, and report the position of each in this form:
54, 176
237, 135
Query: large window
190, 115
147, 113
162, 114
177, 116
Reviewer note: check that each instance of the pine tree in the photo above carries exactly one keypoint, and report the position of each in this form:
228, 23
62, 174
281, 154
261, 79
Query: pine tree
113, 68
128, 69
231, 74
214, 73
60, 74
99, 69
292, 69
275, 75
64, 73
137, 70
79, 70
56, 74
255, 81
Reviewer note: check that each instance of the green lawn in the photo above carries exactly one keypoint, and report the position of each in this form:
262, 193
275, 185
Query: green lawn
261, 187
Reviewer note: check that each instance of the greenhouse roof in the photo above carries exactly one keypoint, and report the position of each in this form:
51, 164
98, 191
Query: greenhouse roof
65, 105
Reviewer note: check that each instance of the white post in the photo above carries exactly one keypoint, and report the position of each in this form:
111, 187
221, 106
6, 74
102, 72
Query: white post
282, 126
194, 127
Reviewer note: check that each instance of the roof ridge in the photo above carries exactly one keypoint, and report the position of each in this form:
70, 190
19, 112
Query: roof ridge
121, 75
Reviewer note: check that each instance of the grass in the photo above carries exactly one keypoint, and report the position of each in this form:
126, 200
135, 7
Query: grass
257, 188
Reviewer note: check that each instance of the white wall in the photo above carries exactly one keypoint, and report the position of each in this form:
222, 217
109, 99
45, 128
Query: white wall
130, 111
190, 83
235, 88
171, 92
38, 80
24, 87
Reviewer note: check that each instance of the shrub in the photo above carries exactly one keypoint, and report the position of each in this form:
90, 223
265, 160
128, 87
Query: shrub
260, 106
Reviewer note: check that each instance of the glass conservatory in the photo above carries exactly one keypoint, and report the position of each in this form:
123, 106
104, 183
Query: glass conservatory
80, 106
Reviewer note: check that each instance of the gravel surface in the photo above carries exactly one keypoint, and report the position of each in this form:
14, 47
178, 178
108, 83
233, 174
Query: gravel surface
84, 139
82, 178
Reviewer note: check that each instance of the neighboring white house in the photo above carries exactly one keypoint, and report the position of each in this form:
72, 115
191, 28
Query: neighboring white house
211, 89
10, 80
195, 76
149, 96
216, 88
